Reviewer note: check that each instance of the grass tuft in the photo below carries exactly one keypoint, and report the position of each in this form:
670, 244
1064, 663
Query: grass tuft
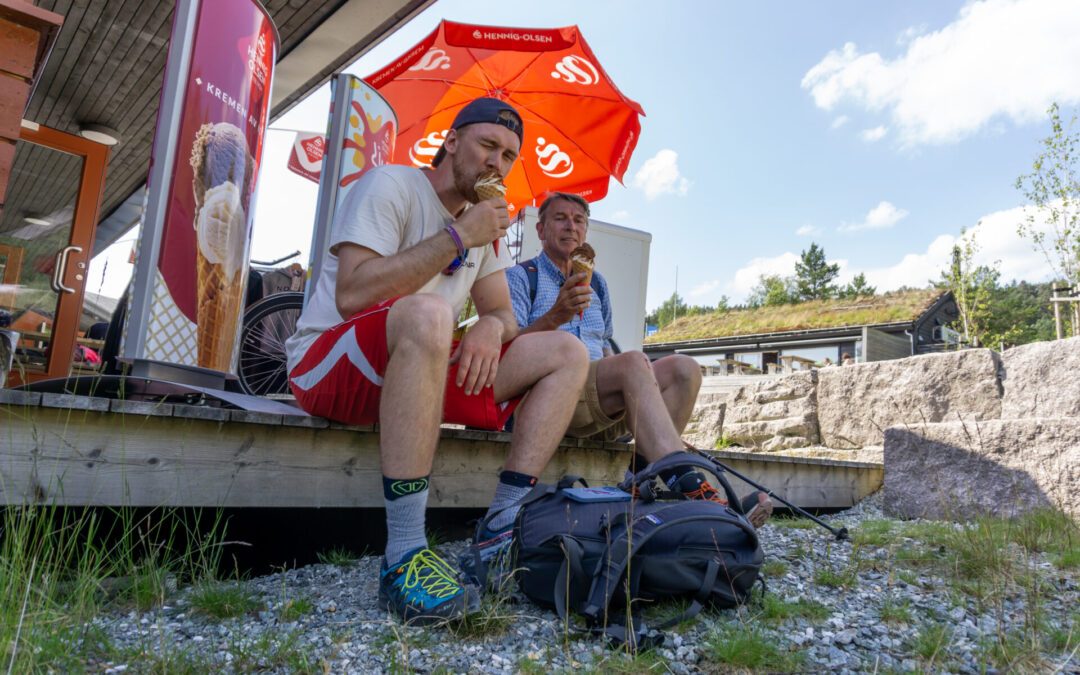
775, 568
742, 645
931, 642
775, 609
223, 600
340, 556
896, 612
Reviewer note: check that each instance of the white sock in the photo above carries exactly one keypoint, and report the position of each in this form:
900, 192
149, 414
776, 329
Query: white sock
505, 495
405, 525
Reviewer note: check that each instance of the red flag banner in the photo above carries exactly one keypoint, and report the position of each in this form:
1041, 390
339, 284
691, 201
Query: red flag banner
307, 155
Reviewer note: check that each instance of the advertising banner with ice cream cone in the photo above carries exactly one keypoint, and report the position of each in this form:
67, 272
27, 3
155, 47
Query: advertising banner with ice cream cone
362, 129
211, 129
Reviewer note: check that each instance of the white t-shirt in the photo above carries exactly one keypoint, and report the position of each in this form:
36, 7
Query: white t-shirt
390, 209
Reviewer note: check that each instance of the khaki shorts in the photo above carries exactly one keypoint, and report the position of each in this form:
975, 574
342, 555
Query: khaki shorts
589, 421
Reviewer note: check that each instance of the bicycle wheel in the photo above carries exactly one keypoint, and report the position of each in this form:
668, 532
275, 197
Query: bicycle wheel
267, 324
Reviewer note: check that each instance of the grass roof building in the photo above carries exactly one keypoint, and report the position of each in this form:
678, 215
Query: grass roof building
869, 328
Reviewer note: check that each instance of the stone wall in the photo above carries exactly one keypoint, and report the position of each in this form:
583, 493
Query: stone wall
857, 403
962, 432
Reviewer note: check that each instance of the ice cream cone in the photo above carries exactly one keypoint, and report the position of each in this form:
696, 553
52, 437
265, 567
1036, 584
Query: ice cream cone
220, 303
489, 186
581, 266
221, 240
582, 260
485, 192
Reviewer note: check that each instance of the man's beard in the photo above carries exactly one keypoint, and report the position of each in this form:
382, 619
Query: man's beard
464, 181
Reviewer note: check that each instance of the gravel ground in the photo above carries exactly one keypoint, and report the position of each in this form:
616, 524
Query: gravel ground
323, 618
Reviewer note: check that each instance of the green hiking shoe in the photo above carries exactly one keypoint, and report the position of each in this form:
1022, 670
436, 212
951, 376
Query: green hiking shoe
423, 589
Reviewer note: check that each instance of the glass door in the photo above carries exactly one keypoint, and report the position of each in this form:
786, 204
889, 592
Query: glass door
46, 238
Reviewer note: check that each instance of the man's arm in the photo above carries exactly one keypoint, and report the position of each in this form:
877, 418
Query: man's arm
478, 352
571, 300
365, 277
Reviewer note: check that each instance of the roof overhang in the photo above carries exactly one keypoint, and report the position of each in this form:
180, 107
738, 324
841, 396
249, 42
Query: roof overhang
107, 68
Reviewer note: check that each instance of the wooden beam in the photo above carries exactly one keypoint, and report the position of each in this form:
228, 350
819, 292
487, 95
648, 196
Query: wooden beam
75, 450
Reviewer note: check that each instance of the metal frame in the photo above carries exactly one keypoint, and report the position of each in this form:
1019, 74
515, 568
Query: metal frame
95, 158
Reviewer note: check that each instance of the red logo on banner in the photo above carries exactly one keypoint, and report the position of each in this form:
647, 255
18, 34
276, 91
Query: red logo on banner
307, 155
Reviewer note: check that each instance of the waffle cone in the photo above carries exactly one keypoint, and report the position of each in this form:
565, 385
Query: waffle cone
220, 304
581, 266
485, 192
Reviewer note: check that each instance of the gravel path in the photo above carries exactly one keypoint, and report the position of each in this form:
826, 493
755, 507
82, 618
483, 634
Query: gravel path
322, 618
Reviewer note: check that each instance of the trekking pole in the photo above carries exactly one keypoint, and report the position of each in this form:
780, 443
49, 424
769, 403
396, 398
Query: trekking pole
841, 534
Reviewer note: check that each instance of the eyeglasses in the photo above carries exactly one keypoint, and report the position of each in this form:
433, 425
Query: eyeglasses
456, 264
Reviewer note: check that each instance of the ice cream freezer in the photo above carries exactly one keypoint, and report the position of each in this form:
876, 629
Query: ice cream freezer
622, 257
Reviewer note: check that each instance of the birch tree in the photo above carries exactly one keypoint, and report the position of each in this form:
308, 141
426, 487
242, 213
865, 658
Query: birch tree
1053, 187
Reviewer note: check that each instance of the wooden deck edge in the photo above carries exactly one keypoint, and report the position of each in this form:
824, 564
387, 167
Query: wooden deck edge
78, 451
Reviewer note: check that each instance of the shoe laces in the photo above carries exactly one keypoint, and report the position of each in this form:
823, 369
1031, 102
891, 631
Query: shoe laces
432, 573
706, 492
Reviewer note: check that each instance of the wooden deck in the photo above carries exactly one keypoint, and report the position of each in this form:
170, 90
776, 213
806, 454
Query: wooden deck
80, 450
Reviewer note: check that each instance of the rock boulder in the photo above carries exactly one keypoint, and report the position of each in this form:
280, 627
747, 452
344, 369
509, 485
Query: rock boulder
1041, 380
855, 404
954, 470
773, 414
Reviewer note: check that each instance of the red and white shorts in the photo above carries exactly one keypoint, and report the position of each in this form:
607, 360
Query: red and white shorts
341, 376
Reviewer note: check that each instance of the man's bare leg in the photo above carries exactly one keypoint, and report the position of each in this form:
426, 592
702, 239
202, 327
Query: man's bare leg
551, 366
679, 377
627, 382
418, 332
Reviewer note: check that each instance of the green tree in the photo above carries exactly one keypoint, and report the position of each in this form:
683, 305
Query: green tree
814, 275
1053, 186
856, 287
972, 287
666, 312
771, 290
1021, 314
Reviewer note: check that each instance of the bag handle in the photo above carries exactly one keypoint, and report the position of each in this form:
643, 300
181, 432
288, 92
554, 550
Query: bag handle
682, 459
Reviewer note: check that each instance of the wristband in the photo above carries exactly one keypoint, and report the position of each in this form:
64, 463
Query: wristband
457, 240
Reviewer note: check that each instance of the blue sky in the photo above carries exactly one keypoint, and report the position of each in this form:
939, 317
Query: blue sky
876, 129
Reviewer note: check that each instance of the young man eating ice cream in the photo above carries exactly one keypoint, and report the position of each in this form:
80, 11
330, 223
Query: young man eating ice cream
374, 343
623, 393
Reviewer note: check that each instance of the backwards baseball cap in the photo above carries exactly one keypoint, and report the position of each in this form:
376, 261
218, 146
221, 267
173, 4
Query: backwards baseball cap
490, 110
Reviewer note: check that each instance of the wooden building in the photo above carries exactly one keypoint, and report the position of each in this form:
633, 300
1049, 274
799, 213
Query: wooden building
771, 339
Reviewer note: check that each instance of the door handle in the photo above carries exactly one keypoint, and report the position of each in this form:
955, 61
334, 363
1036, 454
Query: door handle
57, 265
61, 268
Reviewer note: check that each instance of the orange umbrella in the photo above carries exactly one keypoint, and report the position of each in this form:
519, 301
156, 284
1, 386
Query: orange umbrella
579, 128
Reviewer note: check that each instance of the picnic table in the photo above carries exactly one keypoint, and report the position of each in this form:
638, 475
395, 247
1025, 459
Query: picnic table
793, 363
738, 367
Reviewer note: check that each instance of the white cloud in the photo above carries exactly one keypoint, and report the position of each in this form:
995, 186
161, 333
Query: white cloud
998, 244
910, 33
808, 231
707, 287
660, 175
619, 216
839, 121
747, 277
880, 217
999, 58
871, 135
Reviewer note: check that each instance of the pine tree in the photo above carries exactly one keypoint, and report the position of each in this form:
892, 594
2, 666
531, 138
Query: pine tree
857, 287
814, 275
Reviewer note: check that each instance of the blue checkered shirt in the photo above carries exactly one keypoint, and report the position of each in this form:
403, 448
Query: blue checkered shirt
594, 329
